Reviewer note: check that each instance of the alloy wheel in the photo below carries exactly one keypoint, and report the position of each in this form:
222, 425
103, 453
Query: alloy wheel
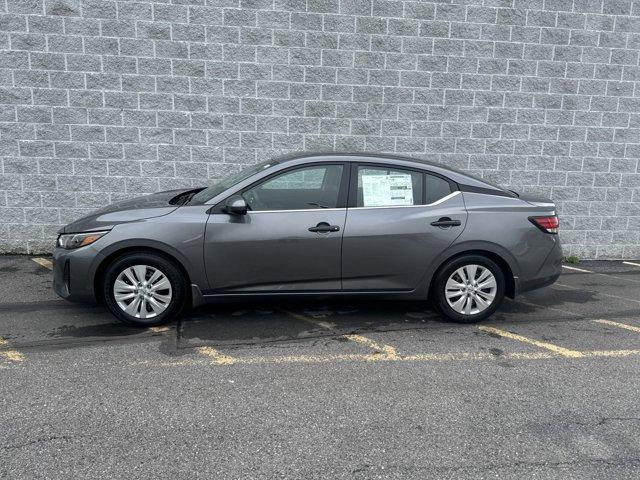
142, 291
470, 289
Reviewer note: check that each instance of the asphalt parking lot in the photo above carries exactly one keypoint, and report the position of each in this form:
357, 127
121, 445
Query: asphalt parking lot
547, 388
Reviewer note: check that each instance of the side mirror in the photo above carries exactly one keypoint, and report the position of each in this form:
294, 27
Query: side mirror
236, 205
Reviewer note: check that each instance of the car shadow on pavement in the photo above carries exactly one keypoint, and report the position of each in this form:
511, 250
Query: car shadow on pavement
252, 321
57, 323
282, 320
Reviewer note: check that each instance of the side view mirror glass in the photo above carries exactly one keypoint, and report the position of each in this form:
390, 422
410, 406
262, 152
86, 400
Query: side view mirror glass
236, 205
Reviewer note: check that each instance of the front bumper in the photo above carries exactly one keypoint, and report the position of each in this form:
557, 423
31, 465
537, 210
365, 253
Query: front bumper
72, 274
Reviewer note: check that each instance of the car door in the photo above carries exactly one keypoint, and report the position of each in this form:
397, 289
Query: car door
398, 221
290, 238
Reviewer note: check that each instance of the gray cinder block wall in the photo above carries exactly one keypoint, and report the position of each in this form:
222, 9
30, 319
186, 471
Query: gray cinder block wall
102, 100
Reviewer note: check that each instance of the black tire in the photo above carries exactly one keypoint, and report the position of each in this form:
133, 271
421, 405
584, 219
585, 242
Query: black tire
440, 281
166, 266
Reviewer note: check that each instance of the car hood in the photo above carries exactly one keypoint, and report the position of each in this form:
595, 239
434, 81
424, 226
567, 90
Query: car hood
140, 208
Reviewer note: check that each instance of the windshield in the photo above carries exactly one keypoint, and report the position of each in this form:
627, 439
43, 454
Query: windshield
229, 181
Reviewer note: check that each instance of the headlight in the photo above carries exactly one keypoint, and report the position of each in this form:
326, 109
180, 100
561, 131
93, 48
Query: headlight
76, 240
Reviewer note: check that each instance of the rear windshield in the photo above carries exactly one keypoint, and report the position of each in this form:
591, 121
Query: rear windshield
227, 182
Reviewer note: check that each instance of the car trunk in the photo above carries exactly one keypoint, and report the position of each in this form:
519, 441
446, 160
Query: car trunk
538, 201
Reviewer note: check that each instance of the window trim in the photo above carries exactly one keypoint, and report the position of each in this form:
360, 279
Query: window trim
353, 186
299, 210
342, 190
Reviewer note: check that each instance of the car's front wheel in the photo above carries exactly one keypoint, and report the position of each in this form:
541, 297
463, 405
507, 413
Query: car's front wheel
144, 289
469, 289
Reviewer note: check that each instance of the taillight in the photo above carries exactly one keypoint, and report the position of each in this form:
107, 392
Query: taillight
548, 224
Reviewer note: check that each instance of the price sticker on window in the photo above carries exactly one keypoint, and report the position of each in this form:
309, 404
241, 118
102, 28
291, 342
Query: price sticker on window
387, 190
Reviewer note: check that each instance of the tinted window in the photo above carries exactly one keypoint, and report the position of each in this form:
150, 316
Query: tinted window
383, 187
436, 188
300, 189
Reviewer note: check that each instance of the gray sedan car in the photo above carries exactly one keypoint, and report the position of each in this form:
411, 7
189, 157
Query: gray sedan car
314, 224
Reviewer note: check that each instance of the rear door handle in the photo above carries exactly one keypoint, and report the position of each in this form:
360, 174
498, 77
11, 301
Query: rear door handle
446, 222
324, 227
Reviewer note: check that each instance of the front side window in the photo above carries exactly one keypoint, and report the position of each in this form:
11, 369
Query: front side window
316, 186
384, 187
229, 181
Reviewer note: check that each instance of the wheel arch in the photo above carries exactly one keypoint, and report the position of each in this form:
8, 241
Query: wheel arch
105, 261
503, 259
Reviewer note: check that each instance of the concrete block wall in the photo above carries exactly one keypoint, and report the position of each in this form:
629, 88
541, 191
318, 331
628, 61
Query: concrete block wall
102, 100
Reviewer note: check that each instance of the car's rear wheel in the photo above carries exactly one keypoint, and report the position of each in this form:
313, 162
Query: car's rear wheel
144, 289
469, 289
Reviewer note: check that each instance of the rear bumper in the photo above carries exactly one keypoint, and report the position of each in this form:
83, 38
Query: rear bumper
548, 273
72, 277
537, 283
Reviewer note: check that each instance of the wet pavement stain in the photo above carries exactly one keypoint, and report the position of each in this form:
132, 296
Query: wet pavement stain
510, 306
93, 331
555, 297
283, 320
266, 324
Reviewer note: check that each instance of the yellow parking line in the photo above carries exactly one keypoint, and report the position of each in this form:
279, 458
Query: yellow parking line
417, 358
313, 321
611, 353
632, 263
217, 357
359, 357
10, 354
619, 325
383, 349
43, 262
565, 352
160, 329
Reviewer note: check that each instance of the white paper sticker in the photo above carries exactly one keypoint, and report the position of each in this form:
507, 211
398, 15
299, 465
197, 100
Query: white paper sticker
384, 190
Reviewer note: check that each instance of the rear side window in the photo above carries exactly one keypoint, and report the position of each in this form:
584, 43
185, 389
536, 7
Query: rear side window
384, 187
437, 188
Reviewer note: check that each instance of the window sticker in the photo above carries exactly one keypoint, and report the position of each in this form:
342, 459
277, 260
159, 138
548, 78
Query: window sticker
385, 190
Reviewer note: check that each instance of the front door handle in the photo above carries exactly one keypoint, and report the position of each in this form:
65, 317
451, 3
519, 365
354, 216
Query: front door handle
324, 227
446, 222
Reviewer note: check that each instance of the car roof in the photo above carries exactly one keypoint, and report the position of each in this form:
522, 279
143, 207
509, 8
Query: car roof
384, 158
